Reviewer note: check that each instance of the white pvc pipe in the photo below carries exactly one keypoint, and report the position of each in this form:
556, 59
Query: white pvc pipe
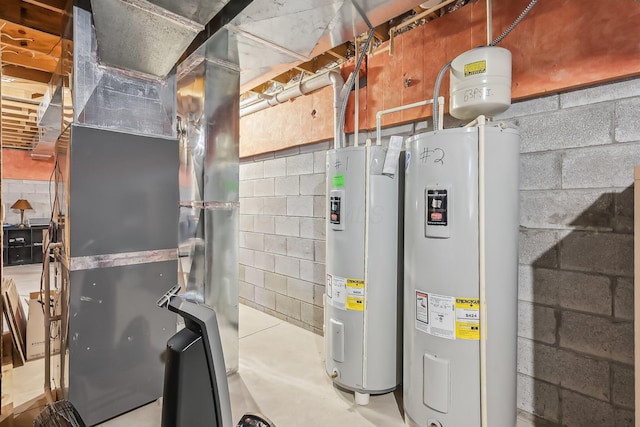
381, 113
365, 314
482, 252
356, 119
303, 88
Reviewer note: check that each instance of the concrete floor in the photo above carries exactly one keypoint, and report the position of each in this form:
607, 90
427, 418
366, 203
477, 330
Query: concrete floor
281, 375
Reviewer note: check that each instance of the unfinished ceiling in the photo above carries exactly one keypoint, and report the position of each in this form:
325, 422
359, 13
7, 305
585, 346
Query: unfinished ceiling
31, 42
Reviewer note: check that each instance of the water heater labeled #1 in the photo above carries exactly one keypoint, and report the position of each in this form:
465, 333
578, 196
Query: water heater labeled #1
362, 325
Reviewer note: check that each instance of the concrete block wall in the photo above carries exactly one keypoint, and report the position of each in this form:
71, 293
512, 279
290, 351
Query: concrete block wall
575, 326
282, 230
36, 192
575, 322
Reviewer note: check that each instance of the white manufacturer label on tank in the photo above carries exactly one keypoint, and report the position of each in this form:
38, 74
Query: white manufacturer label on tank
339, 291
435, 314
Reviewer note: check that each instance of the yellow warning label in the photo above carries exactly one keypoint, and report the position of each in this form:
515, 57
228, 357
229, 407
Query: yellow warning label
355, 294
355, 303
473, 68
468, 318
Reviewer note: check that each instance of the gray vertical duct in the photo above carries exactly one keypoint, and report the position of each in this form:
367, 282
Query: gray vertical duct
208, 109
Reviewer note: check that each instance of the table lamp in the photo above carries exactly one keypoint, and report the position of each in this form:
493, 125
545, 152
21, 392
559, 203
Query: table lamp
21, 204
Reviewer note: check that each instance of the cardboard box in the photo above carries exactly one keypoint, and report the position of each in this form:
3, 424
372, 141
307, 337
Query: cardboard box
35, 327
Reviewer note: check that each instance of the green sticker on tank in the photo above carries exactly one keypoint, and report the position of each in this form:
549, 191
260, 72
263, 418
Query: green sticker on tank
338, 180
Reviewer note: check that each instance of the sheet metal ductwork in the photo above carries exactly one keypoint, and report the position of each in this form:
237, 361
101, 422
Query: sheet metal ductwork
149, 36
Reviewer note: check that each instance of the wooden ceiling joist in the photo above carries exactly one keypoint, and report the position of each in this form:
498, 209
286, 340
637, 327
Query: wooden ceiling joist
26, 73
32, 16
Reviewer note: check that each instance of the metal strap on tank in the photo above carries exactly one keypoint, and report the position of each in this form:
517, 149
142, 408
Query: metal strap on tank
126, 258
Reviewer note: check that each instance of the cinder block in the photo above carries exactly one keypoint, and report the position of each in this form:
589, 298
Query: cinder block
275, 244
538, 398
241, 272
320, 251
246, 291
318, 295
623, 299
536, 322
287, 266
545, 104
288, 226
584, 292
246, 188
263, 187
312, 272
319, 206
541, 171
301, 164
275, 205
578, 410
275, 282
312, 315
592, 167
318, 146
287, 185
265, 261
320, 162
312, 228
577, 127
300, 289
251, 170
23, 187
607, 253
288, 306
400, 130
265, 298
539, 285
566, 208
254, 276
564, 368
264, 224
312, 185
597, 336
300, 205
245, 257
292, 151
624, 418
601, 93
253, 241
623, 386
300, 248
251, 206
246, 222
539, 247
275, 167
627, 126
622, 221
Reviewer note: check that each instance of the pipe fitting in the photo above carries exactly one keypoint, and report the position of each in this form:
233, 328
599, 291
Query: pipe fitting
335, 373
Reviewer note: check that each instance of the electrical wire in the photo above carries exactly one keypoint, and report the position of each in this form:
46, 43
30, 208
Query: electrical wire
514, 24
351, 83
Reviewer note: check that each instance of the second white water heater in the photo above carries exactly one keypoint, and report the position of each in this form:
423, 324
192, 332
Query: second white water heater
362, 321
461, 232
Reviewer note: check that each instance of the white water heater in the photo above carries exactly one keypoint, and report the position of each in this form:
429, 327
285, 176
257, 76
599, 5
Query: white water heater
448, 378
480, 83
362, 322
